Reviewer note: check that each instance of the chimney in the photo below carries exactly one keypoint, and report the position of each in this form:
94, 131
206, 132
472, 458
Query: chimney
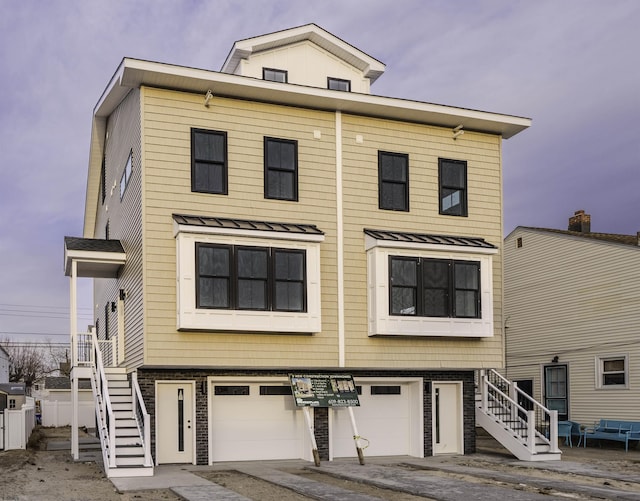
580, 222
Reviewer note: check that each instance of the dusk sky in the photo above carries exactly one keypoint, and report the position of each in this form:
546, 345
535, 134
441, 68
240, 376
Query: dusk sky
572, 66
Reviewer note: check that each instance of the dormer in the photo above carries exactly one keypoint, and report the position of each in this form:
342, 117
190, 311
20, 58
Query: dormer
306, 55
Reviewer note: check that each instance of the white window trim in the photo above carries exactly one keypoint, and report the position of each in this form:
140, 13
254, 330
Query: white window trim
381, 323
203, 319
599, 368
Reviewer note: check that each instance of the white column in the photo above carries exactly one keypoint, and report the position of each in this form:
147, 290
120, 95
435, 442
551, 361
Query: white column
340, 241
73, 322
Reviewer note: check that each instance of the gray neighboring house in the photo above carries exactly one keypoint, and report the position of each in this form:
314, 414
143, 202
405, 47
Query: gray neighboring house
572, 319
12, 396
4, 365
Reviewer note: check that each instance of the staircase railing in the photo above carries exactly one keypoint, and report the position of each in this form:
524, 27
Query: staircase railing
142, 419
527, 418
104, 411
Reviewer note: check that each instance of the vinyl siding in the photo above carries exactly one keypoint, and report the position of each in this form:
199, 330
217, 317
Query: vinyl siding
575, 298
168, 119
424, 145
124, 216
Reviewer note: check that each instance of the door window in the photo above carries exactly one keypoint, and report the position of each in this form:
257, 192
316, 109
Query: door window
555, 381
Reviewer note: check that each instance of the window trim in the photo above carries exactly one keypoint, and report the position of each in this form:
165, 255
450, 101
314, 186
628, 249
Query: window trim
600, 372
277, 71
268, 169
464, 211
224, 164
381, 182
339, 80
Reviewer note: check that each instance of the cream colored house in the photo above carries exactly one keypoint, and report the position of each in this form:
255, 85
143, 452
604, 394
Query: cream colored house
275, 217
571, 316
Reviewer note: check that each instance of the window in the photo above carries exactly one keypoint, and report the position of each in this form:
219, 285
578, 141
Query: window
126, 175
106, 321
393, 181
612, 371
339, 84
12, 403
453, 187
280, 169
250, 278
208, 161
434, 287
225, 390
274, 75
106, 230
103, 178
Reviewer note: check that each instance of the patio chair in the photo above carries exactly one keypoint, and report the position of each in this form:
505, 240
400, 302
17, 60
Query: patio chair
564, 431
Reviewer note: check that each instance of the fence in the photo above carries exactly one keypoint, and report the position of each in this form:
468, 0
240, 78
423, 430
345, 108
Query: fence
18, 425
59, 413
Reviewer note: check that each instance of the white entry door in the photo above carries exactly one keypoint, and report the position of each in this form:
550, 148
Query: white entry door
447, 418
175, 423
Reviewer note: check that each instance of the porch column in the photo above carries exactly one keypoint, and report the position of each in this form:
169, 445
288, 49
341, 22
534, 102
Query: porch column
73, 326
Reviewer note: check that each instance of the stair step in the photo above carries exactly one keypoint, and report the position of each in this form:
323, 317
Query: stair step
118, 384
130, 460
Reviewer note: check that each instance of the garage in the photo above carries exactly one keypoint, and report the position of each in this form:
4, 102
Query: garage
390, 417
255, 419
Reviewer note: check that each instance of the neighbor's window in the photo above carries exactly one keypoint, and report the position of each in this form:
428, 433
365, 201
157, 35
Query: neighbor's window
103, 178
453, 187
12, 403
280, 169
126, 175
250, 278
274, 75
434, 287
393, 181
612, 371
339, 84
209, 161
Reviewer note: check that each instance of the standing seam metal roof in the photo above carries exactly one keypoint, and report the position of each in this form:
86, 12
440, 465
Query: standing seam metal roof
400, 236
243, 224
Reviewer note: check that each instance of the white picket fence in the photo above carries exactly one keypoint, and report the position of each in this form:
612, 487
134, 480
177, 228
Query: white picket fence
59, 413
18, 425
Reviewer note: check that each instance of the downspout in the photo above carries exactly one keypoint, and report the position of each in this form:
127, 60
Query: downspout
340, 240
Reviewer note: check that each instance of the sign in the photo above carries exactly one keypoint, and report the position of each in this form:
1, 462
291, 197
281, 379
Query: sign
324, 390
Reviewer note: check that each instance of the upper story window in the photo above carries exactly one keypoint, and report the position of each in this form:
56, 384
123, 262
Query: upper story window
452, 176
434, 287
126, 175
280, 169
275, 75
338, 84
209, 161
393, 181
103, 179
250, 278
612, 371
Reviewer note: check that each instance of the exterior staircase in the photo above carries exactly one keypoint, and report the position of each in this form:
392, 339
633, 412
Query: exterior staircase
521, 424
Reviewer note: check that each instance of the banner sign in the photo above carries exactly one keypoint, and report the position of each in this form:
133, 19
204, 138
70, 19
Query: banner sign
324, 390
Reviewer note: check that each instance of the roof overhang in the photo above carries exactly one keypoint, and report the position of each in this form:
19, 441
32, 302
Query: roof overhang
94, 258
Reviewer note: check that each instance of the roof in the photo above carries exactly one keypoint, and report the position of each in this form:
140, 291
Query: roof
242, 224
12, 388
64, 383
93, 257
371, 67
422, 238
632, 240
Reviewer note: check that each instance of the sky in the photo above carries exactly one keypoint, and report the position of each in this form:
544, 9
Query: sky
572, 66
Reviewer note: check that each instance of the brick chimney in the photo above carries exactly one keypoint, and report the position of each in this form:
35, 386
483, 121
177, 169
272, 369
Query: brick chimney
580, 222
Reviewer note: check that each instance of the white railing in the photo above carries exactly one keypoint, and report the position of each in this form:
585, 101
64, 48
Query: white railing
532, 423
142, 419
104, 411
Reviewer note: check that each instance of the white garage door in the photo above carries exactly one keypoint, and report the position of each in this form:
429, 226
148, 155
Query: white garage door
255, 420
389, 417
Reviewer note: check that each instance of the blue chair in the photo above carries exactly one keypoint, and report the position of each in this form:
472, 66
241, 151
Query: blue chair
564, 431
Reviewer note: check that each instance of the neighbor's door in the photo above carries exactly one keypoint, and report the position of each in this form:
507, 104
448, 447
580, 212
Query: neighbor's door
447, 418
556, 390
175, 424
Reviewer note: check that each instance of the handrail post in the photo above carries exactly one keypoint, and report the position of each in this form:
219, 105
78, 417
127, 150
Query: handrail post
484, 397
553, 431
531, 431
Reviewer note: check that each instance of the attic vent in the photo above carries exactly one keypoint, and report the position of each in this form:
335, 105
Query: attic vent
519, 242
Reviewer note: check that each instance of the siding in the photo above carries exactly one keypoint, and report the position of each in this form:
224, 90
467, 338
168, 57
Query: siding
124, 216
168, 119
577, 299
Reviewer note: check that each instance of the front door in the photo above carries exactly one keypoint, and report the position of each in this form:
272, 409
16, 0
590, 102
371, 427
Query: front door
174, 422
447, 418
555, 390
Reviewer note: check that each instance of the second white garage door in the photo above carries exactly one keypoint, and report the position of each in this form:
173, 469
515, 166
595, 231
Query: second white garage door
390, 417
255, 419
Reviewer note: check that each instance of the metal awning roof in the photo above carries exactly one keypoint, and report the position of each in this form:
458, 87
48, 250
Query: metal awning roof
422, 238
96, 258
242, 224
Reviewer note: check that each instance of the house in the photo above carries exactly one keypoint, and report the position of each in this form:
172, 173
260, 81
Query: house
4, 365
276, 218
571, 319
55, 403
12, 396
